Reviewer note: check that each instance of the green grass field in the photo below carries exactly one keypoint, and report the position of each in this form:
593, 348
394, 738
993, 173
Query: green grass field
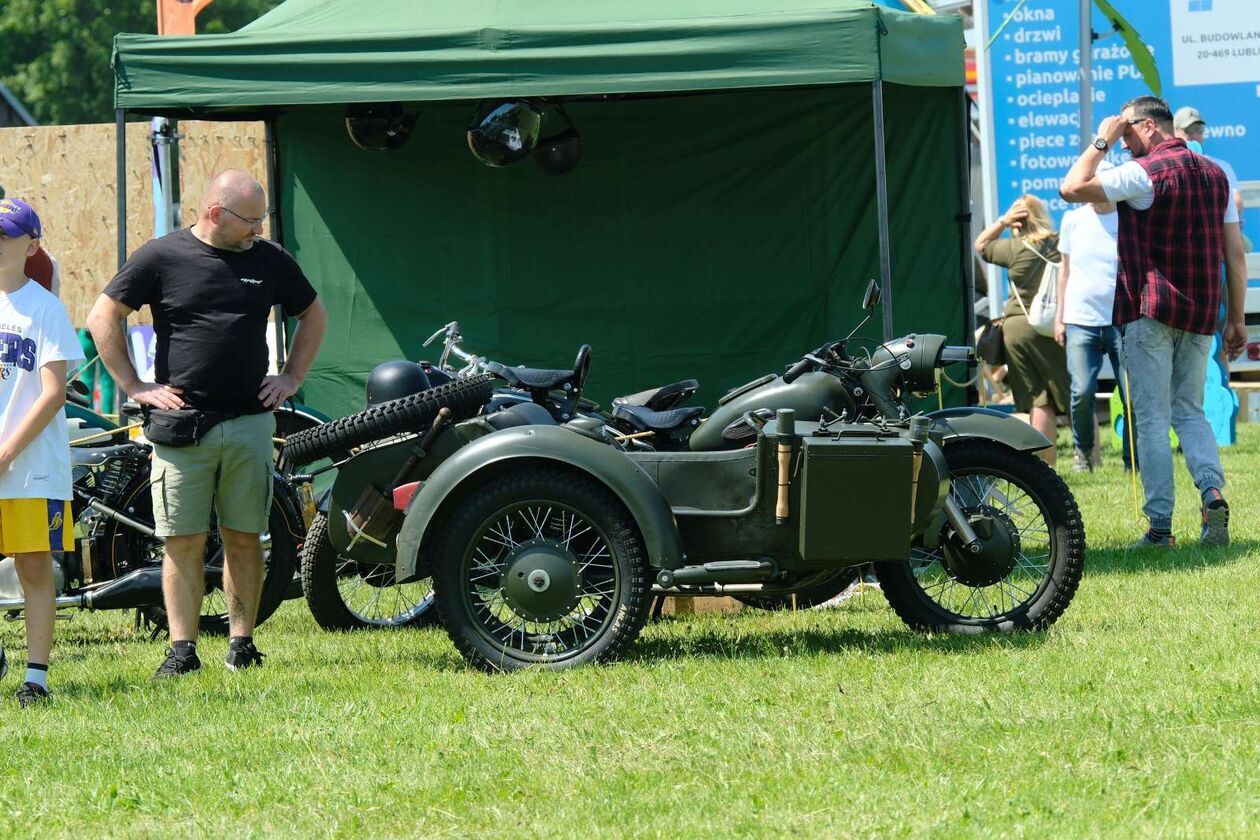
1138, 713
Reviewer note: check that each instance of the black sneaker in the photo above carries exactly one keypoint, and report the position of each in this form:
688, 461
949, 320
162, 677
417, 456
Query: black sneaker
31, 694
4, 663
243, 656
1215, 530
177, 666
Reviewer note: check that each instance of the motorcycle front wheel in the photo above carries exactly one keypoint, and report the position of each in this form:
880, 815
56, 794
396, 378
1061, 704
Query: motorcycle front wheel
344, 594
1032, 549
279, 551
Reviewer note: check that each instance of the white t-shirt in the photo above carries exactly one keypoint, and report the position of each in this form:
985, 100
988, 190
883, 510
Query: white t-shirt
1089, 241
34, 330
1129, 183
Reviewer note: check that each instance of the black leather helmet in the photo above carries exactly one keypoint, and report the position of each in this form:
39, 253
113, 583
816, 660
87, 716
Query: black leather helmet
395, 380
504, 131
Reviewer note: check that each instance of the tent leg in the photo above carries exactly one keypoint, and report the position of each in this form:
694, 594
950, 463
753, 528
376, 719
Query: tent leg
273, 212
120, 156
120, 175
881, 203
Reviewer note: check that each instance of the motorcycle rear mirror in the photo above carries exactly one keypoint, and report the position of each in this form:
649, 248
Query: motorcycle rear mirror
78, 386
871, 299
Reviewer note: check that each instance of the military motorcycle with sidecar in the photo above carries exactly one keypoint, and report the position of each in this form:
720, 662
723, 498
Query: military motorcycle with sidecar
545, 541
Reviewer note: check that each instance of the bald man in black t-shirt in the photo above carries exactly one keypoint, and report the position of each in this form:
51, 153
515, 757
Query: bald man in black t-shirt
210, 289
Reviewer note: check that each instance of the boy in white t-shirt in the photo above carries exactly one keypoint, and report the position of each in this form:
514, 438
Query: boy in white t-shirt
36, 342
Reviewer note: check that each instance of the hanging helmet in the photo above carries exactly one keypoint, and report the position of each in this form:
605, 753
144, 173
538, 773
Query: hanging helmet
559, 154
395, 380
504, 131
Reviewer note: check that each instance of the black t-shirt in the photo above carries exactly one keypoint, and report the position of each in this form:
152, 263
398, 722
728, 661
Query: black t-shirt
210, 310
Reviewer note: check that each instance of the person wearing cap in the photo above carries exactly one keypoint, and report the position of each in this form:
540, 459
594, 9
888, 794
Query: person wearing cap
37, 341
210, 288
1177, 224
42, 266
1188, 124
1087, 293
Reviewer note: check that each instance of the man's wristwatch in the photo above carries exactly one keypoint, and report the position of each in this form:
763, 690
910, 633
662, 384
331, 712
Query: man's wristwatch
1100, 143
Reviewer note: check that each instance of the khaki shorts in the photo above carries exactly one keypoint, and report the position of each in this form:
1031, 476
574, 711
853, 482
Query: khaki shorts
230, 469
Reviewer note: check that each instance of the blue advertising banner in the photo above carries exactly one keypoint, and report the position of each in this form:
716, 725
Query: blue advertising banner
1208, 54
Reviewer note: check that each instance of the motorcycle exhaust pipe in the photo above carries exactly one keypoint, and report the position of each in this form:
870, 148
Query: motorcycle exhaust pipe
141, 588
61, 602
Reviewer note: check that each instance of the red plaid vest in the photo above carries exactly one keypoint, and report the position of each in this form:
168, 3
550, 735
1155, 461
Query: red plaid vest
1170, 253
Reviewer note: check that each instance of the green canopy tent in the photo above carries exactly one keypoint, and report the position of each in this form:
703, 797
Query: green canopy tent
746, 166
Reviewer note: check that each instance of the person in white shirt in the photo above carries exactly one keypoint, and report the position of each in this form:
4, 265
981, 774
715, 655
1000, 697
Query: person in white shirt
1087, 293
1188, 124
36, 342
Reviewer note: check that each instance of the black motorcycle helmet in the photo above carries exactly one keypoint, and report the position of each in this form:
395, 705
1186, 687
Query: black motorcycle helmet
504, 131
395, 380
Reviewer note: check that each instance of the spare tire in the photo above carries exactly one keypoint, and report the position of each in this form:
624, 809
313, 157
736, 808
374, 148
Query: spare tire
464, 397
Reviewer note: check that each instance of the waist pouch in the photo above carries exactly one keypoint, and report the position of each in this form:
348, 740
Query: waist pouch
180, 427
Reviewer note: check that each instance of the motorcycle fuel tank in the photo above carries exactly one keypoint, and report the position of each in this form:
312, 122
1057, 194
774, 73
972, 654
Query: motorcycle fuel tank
807, 396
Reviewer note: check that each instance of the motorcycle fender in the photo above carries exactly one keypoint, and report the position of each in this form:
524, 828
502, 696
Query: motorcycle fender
287, 499
986, 423
529, 447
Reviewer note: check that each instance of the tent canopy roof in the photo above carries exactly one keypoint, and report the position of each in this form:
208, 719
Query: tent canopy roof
323, 52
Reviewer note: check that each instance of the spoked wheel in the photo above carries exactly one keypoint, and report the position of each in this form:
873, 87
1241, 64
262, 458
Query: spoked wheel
132, 550
344, 594
1032, 549
541, 568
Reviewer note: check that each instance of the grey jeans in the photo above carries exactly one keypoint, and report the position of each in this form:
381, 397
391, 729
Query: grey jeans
1167, 369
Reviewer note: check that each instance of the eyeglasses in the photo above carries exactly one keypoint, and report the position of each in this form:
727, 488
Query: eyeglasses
1131, 122
245, 219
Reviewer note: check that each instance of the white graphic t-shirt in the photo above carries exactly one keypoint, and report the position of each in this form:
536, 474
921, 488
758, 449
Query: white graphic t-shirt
34, 330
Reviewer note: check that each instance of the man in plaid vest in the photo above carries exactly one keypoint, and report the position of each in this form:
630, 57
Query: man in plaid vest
1177, 225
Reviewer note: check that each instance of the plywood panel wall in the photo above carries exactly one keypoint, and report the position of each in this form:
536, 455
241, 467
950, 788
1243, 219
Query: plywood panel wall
68, 173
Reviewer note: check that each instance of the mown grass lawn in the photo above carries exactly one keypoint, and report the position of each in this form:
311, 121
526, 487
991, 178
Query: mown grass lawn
1139, 713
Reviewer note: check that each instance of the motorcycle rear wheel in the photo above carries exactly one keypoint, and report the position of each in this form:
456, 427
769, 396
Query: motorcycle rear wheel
1028, 583
346, 595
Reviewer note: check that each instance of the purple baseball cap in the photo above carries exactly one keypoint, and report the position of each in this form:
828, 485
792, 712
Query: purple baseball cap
17, 218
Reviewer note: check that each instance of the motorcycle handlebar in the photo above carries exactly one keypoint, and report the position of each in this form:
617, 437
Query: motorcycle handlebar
795, 371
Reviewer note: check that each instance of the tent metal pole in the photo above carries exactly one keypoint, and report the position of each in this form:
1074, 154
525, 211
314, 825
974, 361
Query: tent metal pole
881, 203
964, 232
1087, 72
120, 176
273, 214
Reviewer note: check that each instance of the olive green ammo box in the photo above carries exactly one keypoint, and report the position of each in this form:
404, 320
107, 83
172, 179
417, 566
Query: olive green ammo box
855, 496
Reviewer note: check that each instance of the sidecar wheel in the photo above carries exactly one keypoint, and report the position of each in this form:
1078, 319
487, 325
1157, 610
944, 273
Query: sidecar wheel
543, 568
1032, 557
346, 595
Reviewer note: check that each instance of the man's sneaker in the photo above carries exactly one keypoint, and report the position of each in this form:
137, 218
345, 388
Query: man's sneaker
4, 663
243, 656
1080, 462
177, 666
1215, 520
1150, 540
30, 694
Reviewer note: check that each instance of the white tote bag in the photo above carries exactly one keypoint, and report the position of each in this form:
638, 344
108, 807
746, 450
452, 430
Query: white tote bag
1045, 303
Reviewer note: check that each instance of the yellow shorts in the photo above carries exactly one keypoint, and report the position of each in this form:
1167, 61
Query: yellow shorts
30, 525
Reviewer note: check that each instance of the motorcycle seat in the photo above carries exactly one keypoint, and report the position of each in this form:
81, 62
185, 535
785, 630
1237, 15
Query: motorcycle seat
536, 378
644, 419
94, 456
662, 398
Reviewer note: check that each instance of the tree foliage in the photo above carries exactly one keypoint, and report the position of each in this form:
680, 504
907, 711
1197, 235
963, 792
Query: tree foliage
55, 54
